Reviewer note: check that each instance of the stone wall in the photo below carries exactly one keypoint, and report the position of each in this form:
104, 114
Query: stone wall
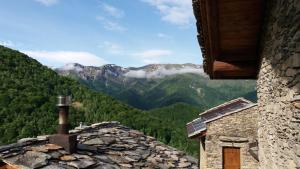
279, 87
202, 161
234, 130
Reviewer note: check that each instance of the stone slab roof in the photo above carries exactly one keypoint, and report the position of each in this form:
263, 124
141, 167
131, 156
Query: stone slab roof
107, 145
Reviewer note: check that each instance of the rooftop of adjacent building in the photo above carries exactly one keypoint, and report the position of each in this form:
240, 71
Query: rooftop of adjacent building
198, 125
103, 145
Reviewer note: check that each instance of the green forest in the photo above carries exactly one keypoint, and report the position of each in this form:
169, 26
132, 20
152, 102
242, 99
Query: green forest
28, 94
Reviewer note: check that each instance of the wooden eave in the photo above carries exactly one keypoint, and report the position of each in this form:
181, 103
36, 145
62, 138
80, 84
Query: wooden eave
201, 134
228, 34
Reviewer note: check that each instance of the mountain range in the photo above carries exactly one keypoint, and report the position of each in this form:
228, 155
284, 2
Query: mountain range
28, 95
159, 85
174, 93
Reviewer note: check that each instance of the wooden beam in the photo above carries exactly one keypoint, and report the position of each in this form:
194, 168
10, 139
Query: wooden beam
202, 134
233, 57
234, 70
213, 28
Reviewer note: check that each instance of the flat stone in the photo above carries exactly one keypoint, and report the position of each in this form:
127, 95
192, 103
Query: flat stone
82, 156
297, 105
12, 146
43, 138
89, 134
184, 164
46, 148
74, 131
55, 154
96, 124
82, 163
126, 165
118, 159
27, 140
106, 166
143, 153
233, 139
86, 147
52, 167
52, 147
94, 141
104, 158
30, 159
67, 158
175, 157
119, 147
102, 140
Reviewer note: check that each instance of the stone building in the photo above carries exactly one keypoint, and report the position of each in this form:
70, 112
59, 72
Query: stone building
228, 135
258, 39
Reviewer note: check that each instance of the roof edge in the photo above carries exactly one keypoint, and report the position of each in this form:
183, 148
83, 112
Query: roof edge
225, 104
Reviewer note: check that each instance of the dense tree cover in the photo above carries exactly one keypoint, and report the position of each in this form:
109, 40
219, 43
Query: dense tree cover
28, 92
193, 89
180, 114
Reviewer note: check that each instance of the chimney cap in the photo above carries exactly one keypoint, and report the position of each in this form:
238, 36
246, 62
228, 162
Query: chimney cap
64, 101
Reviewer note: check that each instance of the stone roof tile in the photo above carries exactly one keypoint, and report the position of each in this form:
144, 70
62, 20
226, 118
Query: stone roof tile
103, 145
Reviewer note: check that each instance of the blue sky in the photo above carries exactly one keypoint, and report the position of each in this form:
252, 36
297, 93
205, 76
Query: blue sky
96, 32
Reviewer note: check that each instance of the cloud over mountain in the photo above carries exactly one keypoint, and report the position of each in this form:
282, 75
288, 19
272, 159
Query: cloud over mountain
52, 58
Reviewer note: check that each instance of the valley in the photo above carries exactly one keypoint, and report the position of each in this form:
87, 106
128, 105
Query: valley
28, 92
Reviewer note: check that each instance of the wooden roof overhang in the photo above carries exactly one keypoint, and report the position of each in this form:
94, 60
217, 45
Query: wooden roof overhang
228, 34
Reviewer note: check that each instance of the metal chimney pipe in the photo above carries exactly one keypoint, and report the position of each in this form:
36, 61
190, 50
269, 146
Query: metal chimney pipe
63, 138
63, 104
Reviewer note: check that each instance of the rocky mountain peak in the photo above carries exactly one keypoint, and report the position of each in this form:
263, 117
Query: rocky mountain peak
72, 66
148, 71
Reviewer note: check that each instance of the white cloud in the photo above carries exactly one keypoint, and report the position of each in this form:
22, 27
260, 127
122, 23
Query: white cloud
164, 36
178, 12
111, 25
152, 56
113, 11
153, 53
47, 2
7, 43
111, 47
60, 58
162, 71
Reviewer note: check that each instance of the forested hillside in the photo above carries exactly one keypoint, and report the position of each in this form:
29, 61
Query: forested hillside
28, 92
160, 85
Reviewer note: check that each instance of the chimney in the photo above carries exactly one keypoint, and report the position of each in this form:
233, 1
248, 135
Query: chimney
63, 138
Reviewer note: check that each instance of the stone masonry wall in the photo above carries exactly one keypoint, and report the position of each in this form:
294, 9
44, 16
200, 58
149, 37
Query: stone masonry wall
235, 130
279, 87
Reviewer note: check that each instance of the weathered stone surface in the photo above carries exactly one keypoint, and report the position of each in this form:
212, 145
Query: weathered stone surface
46, 148
27, 140
107, 166
234, 130
184, 164
67, 158
30, 159
85, 147
102, 140
278, 84
55, 154
113, 147
42, 138
233, 139
52, 167
82, 163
